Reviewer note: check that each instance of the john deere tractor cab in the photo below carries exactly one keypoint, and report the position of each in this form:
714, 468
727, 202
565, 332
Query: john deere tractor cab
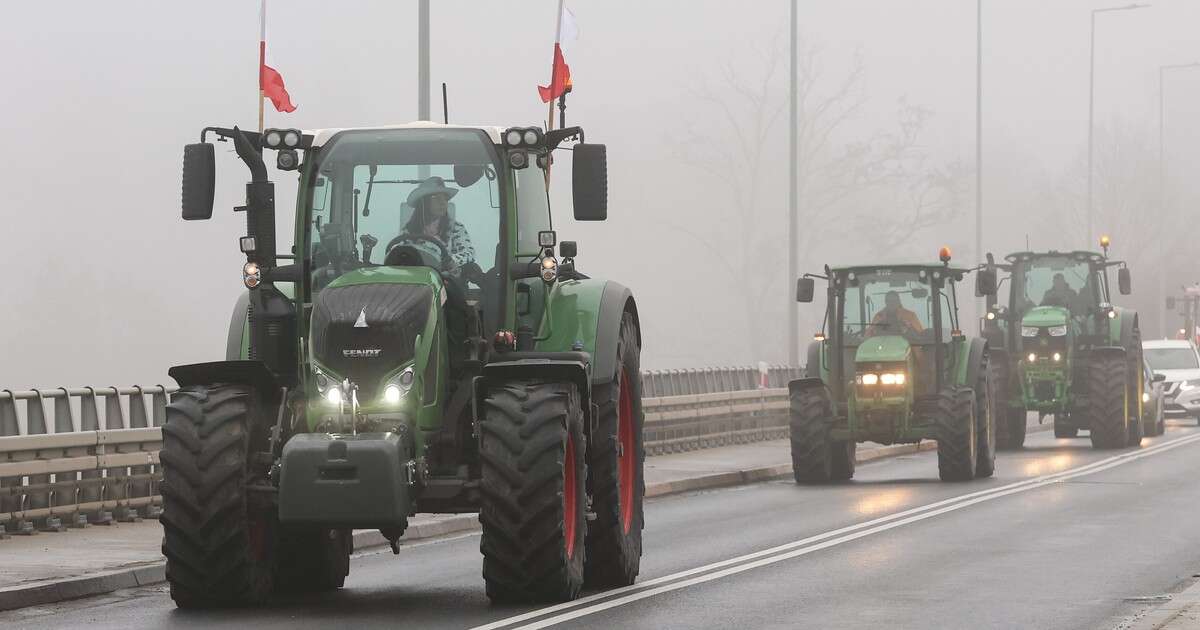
1064, 349
1187, 305
425, 348
892, 365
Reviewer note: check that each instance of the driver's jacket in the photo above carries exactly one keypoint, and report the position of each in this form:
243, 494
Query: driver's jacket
458, 246
900, 315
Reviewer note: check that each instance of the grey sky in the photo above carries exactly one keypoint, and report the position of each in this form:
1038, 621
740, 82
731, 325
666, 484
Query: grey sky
105, 283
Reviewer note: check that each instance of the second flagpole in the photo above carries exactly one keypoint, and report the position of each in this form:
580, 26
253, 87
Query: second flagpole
262, 59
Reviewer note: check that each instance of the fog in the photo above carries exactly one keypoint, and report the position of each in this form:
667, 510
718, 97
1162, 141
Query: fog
104, 284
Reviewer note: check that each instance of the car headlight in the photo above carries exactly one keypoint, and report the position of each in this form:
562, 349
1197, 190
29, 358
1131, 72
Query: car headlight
1057, 331
1186, 385
1029, 331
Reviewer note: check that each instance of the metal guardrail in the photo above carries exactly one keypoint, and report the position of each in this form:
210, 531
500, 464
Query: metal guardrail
99, 464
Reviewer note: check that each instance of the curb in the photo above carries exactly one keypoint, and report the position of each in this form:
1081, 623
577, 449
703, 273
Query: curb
149, 573
1163, 616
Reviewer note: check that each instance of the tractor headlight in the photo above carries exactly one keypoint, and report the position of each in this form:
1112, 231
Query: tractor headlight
1057, 331
398, 387
991, 315
334, 396
1032, 357
892, 378
1057, 357
1029, 331
1112, 314
868, 379
392, 394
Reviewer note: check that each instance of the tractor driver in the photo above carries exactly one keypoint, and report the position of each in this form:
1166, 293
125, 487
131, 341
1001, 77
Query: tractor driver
1060, 293
432, 230
894, 318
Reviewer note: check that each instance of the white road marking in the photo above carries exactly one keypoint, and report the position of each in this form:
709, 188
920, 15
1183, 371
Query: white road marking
675, 581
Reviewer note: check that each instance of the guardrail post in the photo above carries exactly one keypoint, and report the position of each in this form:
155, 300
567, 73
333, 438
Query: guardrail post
64, 494
138, 419
116, 480
35, 421
8, 427
91, 489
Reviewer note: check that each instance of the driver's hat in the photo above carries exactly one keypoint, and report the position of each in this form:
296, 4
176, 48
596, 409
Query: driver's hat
433, 186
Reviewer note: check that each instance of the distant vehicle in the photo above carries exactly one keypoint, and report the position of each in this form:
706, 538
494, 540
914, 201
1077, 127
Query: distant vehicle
1179, 363
1152, 401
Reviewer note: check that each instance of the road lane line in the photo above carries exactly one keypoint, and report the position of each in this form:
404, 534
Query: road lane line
723, 568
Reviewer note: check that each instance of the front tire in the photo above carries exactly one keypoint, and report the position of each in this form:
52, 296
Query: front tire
1107, 407
532, 513
954, 415
218, 541
615, 465
811, 418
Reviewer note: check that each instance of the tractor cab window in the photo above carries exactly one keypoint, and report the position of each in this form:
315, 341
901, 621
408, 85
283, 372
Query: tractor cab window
887, 302
533, 209
1055, 281
405, 197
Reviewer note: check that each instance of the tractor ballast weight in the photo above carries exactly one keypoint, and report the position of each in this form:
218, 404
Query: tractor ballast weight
363, 385
891, 366
1064, 350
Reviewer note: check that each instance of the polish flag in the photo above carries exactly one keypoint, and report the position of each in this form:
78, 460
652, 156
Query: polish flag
270, 82
560, 73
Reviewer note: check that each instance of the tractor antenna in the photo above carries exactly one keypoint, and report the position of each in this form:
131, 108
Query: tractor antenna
1027, 242
445, 107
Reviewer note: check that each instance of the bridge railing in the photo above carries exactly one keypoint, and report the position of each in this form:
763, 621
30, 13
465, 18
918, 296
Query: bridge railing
92, 459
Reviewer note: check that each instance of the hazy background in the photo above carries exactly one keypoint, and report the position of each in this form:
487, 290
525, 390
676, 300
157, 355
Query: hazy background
104, 284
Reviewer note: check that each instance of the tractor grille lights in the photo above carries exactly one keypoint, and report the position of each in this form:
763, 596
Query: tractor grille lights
1055, 357
887, 378
251, 275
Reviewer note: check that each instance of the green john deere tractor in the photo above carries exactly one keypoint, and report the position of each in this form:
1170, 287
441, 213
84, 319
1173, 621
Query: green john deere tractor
893, 368
423, 349
1064, 350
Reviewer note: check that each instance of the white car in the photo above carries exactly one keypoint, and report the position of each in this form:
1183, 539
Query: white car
1179, 361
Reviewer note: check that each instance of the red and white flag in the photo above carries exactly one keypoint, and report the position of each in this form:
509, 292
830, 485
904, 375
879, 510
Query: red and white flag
270, 82
560, 72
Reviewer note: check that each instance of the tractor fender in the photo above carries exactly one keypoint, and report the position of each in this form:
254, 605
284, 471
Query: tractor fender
235, 344
573, 367
253, 373
813, 367
975, 352
615, 301
1122, 327
800, 384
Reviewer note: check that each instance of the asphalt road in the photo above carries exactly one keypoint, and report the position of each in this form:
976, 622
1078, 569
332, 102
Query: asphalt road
1063, 537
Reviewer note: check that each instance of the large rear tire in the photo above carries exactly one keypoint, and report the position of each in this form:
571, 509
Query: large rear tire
1107, 408
219, 544
986, 418
615, 464
811, 418
954, 415
532, 513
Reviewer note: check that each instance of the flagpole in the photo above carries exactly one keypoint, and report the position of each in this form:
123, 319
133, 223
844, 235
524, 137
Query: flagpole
262, 59
557, 37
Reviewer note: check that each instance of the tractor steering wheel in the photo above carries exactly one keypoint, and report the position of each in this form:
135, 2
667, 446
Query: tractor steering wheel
404, 255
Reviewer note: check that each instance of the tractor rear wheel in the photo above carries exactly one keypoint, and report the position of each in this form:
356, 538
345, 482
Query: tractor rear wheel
532, 513
1107, 408
313, 560
811, 418
616, 482
954, 415
1062, 429
985, 421
219, 542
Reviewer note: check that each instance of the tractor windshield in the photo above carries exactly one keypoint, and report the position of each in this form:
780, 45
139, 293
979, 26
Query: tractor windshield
1055, 281
415, 197
887, 302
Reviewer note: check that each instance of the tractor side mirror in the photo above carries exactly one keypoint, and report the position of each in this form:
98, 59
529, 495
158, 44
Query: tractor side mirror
1170, 303
805, 287
589, 182
199, 181
985, 282
1124, 283
1158, 378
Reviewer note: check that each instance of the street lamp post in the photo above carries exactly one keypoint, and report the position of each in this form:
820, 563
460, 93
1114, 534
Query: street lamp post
793, 318
1161, 223
1092, 108
979, 131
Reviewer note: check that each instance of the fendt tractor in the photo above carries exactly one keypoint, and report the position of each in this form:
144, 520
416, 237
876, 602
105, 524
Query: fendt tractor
422, 350
893, 367
1064, 350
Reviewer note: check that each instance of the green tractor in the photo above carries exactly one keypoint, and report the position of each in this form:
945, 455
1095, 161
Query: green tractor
1064, 350
423, 350
893, 368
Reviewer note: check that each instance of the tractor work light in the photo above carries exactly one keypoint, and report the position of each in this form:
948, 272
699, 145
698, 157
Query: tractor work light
281, 138
528, 137
248, 244
512, 137
272, 139
251, 275
547, 239
518, 159
287, 160
549, 269
1057, 331
291, 138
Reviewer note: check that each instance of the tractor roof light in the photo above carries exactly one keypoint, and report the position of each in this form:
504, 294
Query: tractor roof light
524, 137
251, 275
281, 138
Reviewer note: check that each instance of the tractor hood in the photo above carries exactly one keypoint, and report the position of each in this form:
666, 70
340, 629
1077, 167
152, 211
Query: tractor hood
884, 348
1045, 316
366, 323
